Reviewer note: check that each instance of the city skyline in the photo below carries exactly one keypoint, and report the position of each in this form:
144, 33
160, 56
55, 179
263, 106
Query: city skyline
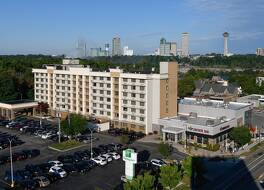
53, 28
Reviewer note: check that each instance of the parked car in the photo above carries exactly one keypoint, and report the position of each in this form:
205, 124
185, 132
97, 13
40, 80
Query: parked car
107, 156
42, 181
55, 163
157, 162
115, 155
28, 184
59, 171
100, 161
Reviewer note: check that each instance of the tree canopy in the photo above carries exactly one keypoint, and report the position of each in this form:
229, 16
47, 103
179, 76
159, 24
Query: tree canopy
170, 176
74, 125
141, 182
240, 135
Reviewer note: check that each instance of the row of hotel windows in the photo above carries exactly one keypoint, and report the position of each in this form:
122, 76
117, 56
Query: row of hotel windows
132, 117
101, 112
102, 106
133, 87
133, 95
132, 102
133, 110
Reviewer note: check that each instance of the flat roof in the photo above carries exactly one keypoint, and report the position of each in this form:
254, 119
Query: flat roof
12, 102
202, 121
251, 97
214, 103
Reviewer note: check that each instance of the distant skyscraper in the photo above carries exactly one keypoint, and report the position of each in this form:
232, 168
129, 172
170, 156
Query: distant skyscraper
164, 49
226, 35
173, 48
260, 51
116, 47
185, 44
107, 47
128, 52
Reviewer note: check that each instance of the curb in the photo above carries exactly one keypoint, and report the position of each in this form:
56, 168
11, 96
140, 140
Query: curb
52, 148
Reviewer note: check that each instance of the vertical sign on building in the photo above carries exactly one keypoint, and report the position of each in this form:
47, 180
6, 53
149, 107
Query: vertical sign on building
130, 158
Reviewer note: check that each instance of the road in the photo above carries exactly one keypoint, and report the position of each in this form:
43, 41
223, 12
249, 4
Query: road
244, 175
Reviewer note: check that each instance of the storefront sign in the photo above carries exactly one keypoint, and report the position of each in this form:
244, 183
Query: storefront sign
224, 128
130, 158
198, 130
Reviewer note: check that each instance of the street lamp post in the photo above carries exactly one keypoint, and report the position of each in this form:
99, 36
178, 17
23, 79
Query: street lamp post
11, 162
59, 124
91, 142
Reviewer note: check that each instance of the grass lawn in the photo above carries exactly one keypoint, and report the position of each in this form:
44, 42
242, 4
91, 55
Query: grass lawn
66, 145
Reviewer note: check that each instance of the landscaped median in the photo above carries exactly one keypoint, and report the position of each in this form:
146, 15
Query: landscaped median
66, 145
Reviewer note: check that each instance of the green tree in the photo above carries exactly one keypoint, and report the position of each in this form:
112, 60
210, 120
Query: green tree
240, 135
141, 182
74, 125
170, 176
164, 149
124, 139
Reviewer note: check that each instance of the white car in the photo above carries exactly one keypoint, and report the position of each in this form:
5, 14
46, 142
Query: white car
100, 161
157, 162
115, 155
59, 171
46, 135
108, 157
55, 163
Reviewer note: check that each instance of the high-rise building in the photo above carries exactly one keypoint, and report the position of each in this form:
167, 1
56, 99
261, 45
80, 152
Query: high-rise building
166, 48
98, 52
133, 101
185, 44
173, 48
116, 47
260, 51
128, 52
107, 48
226, 35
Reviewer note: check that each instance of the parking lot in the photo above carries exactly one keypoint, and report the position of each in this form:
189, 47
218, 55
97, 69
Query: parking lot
104, 177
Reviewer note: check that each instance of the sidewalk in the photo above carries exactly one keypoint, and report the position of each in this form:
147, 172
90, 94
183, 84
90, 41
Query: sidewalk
198, 151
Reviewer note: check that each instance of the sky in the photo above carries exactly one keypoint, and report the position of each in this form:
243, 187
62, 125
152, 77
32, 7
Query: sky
55, 26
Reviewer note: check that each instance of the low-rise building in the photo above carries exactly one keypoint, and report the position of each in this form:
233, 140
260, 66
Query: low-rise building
256, 100
205, 121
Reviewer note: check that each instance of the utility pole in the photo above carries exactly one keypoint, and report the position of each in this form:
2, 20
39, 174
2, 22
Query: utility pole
11, 162
91, 142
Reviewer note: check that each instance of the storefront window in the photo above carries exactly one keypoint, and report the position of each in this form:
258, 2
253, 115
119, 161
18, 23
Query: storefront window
205, 140
199, 140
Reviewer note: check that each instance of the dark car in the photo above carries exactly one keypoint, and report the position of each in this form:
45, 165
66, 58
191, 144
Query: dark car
70, 168
82, 167
44, 167
52, 177
66, 159
31, 153
34, 169
28, 184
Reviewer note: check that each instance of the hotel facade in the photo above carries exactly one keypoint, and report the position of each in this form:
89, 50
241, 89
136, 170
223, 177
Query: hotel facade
134, 101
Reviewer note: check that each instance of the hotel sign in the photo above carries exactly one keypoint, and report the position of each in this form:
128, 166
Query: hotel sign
224, 128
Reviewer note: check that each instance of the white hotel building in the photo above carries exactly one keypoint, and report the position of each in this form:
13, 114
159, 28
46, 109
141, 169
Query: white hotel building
129, 100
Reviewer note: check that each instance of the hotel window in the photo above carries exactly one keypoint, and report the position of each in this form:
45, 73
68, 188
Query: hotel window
101, 84
142, 111
124, 101
142, 88
125, 79
124, 108
108, 85
108, 99
133, 102
142, 104
101, 105
124, 116
133, 110
101, 99
94, 104
94, 91
108, 92
124, 93
94, 98
116, 79
94, 77
133, 80
124, 86
141, 118
108, 78
167, 87
94, 111
133, 117
94, 84
142, 96
133, 87
108, 113
141, 81
101, 78
108, 107
133, 95
116, 93
116, 101
101, 112
101, 91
